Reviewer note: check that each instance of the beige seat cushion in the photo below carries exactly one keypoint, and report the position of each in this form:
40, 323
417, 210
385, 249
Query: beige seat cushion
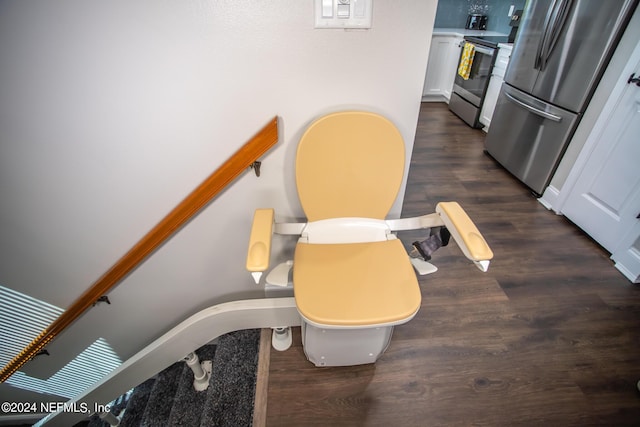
355, 284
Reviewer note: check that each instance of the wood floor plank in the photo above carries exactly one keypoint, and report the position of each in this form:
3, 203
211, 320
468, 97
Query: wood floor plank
549, 336
262, 380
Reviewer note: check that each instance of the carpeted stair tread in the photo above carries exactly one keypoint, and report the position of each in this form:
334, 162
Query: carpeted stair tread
231, 392
116, 409
188, 404
137, 404
160, 401
169, 399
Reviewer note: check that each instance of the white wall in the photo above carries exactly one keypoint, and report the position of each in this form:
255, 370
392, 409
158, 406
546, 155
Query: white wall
112, 112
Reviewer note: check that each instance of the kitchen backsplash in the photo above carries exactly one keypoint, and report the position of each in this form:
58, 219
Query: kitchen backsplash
453, 13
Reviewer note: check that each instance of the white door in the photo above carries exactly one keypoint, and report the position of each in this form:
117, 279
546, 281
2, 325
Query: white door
605, 199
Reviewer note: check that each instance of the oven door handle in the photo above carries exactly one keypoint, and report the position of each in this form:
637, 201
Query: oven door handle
485, 50
534, 110
478, 48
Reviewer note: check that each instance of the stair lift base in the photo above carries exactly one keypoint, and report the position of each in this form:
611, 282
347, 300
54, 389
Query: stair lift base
281, 338
344, 347
110, 419
201, 371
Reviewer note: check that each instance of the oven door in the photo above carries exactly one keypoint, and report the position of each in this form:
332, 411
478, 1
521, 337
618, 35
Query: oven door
474, 88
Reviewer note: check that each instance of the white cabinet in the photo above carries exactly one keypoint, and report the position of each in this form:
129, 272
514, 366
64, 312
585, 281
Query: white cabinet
497, 76
490, 101
441, 68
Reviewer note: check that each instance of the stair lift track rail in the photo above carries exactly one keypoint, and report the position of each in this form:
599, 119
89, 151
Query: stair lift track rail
187, 336
247, 155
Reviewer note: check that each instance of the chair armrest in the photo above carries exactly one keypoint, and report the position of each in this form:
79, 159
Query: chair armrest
260, 242
465, 233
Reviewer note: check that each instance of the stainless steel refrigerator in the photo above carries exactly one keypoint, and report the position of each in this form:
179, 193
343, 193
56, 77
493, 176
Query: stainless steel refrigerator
559, 55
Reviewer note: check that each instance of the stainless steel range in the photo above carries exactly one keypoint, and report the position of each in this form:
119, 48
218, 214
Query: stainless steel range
469, 90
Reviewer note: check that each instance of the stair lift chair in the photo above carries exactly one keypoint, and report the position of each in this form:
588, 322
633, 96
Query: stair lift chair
353, 281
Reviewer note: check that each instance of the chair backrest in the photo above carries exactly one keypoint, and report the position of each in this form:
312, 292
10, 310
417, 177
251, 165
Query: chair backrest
349, 164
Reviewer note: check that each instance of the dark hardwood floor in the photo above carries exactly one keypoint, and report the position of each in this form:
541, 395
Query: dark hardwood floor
549, 336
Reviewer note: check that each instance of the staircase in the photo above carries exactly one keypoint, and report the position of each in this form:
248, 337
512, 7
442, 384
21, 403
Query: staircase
169, 399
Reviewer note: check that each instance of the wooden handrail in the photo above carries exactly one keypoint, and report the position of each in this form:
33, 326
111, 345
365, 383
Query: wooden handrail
192, 204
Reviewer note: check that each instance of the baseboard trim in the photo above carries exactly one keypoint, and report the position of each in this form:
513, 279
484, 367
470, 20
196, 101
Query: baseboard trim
627, 273
435, 98
262, 379
550, 198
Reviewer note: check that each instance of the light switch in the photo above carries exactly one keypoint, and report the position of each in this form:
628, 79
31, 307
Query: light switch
346, 14
359, 8
327, 8
343, 11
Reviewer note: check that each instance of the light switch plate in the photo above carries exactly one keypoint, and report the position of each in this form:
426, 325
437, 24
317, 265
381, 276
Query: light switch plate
343, 13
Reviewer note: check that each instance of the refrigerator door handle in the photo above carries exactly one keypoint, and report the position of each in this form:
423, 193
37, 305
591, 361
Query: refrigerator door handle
555, 29
534, 110
545, 31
